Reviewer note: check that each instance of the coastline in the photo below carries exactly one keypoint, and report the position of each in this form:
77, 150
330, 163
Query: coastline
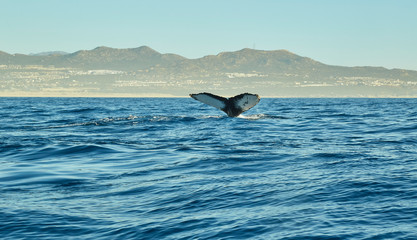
21, 94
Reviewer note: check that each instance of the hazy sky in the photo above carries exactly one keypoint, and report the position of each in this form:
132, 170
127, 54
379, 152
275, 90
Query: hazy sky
336, 32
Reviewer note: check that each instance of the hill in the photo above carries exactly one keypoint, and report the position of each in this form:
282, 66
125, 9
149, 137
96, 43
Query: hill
144, 71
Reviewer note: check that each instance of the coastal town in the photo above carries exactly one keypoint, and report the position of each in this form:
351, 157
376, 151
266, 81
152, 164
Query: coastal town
51, 79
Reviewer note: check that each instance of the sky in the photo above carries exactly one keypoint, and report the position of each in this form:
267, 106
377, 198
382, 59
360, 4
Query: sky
335, 32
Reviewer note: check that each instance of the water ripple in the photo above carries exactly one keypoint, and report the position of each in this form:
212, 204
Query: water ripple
171, 169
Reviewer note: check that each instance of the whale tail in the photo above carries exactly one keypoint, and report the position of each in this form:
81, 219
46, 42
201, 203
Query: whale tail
233, 106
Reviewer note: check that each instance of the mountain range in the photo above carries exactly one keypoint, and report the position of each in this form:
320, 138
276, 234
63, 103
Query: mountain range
274, 73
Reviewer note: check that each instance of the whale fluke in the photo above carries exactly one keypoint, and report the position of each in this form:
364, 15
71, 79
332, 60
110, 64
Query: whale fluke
233, 106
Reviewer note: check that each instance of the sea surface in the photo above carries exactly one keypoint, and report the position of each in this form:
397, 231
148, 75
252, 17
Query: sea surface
174, 168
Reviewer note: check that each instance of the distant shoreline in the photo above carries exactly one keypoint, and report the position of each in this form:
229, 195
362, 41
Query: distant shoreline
144, 72
122, 95
84, 95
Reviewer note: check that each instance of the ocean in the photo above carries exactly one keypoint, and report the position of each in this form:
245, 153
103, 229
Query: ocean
174, 168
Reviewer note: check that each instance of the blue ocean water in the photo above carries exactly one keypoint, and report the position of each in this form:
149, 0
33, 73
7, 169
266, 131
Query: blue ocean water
159, 168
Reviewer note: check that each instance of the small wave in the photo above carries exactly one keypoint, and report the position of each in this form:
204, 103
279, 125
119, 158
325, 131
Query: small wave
103, 121
85, 149
79, 110
133, 119
40, 177
212, 116
260, 116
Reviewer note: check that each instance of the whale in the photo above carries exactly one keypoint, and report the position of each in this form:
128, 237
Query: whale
232, 106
